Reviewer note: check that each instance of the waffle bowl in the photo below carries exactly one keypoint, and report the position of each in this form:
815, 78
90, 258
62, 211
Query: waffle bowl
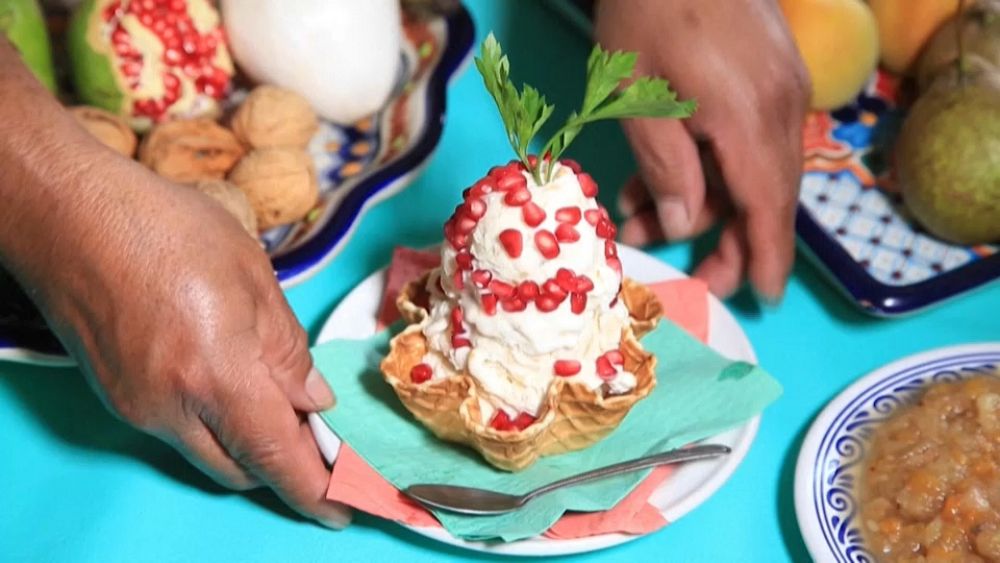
572, 416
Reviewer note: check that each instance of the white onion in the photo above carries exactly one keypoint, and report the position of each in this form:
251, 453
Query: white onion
342, 55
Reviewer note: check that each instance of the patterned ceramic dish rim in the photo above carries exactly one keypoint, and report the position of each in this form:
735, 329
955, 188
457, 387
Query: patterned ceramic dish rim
881, 299
298, 264
825, 504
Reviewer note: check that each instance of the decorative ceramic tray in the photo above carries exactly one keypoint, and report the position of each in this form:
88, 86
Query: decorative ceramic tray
852, 220
826, 502
358, 165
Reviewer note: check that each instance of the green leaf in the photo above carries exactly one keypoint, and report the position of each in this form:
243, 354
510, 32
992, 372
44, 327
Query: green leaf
525, 111
646, 97
605, 71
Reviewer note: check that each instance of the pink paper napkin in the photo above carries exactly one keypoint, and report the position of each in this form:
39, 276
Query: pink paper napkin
356, 484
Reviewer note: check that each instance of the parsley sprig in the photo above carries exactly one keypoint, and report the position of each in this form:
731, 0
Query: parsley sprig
524, 112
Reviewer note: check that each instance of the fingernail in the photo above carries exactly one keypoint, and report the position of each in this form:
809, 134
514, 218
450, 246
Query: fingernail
769, 302
319, 392
626, 208
338, 518
674, 218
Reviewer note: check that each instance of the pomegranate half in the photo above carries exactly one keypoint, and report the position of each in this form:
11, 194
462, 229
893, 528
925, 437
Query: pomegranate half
150, 60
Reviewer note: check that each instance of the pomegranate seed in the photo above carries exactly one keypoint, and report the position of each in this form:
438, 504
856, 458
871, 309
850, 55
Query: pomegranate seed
610, 249
460, 342
458, 281
459, 241
533, 214
489, 302
615, 357
604, 368
547, 244
566, 279
523, 421
566, 368
475, 208
615, 265
456, 321
583, 285
604, 213
569, 215
501, 289
512, 168
464, 260
517, 196
464, 224
587, 185
513, 305
532, 160
171, 82
512, 242
527, 290
481, 278
421, 373
547, 303
483, 187
501, 422
449, 229
132, 68
512, 182
553, 289
578, 303
571, 164
592, 216
606, 229
566, 233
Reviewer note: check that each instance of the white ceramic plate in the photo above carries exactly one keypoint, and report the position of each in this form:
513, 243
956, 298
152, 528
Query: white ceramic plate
826, 472
690, 484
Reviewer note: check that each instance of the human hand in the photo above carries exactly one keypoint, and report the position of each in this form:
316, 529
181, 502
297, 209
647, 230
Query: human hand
739, 158
177, 319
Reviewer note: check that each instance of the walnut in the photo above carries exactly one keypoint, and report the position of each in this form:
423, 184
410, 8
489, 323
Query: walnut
274, 117
280, 183
189, 150
232, 198
109, 129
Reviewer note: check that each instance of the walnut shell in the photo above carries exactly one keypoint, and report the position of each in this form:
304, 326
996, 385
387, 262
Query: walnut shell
232, 198
275, 117
189, 150
109, 129
280, 183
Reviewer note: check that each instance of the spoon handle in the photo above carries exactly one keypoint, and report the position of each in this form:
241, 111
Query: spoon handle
666, 458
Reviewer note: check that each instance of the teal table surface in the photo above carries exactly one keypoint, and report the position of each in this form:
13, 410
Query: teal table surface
78, 485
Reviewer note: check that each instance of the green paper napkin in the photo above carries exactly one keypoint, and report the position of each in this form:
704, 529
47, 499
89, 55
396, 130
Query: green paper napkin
698, 394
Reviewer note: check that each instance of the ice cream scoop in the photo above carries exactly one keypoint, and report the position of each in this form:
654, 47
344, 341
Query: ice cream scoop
528, 292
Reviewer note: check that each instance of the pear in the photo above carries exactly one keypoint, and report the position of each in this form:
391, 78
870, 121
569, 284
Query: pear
975, 33
948, 159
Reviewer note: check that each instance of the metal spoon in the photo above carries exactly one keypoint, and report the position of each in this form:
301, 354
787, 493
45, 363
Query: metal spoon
480, 502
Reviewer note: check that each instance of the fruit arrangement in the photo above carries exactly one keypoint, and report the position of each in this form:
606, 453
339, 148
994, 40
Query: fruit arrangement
525, 341
947, 55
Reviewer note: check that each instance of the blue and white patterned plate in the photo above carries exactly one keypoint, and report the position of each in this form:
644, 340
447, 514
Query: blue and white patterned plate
358, 165
826, 475
852, 221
